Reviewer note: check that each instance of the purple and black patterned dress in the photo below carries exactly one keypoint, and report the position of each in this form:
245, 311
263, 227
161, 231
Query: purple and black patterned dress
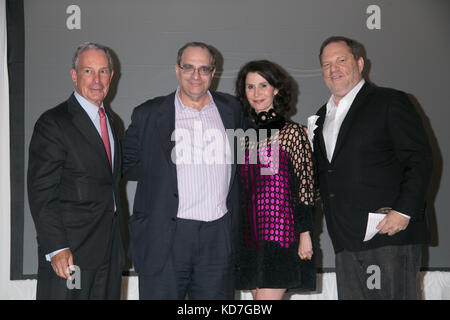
276, 205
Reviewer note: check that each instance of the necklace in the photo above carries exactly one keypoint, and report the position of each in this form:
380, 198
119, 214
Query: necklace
265, 117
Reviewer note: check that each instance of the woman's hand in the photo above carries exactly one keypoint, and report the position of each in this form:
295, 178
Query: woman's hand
305, 250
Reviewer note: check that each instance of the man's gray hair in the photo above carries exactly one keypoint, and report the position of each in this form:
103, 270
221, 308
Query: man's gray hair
202, 45
91, 46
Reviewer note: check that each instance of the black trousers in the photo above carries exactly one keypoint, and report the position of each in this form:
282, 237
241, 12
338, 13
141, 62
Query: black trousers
200, 266
103, 283
385, 273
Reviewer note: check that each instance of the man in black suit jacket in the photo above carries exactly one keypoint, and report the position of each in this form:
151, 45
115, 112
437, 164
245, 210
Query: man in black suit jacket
185, 212
373, 155
74, 171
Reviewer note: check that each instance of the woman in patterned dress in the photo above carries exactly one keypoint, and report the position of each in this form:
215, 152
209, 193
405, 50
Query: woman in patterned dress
276, 189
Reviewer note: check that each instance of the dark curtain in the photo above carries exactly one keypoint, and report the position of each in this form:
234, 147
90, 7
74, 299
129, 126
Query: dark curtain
16, 57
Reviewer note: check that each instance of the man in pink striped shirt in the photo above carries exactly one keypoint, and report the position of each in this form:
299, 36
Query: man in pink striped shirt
185, 207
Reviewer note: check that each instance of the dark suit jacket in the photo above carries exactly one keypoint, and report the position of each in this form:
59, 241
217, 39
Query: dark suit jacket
148, 145
71, 186
382, 159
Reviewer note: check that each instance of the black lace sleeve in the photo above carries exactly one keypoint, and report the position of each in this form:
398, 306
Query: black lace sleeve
294, 141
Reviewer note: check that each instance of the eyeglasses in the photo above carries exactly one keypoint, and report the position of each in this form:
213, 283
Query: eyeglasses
189, 69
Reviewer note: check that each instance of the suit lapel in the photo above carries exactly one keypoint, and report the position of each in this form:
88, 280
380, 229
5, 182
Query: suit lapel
165, 127
83, 123
226, 114
350, 118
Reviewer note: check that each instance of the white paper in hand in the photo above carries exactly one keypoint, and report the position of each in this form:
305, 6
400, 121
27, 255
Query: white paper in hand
372, 222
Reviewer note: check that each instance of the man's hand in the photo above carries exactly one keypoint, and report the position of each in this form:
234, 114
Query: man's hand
305, 250
61, 262
393, 223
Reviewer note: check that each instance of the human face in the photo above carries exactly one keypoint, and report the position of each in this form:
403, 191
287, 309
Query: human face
259, 92
340, 70
92, 76
194, 87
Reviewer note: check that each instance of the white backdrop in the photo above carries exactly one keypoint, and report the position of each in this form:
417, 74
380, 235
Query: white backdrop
434, 286
4, 162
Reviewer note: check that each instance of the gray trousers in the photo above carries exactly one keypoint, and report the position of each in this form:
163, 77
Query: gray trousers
386, 273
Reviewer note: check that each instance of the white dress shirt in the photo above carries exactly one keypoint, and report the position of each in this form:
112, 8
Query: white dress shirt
335, 116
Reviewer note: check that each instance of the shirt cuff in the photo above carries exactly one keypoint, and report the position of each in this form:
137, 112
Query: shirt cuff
406, 216
54, 253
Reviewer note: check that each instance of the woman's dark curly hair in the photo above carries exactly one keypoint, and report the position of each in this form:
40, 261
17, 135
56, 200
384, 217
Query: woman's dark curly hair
275, 76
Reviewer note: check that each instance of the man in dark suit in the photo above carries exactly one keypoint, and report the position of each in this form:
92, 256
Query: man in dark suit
185, 207
74, 171
373, 155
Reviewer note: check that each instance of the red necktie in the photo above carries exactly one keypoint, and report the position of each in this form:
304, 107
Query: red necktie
104, 133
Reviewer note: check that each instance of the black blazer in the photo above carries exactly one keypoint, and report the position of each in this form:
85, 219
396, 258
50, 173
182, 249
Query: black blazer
382, 158
147, 148
71, 188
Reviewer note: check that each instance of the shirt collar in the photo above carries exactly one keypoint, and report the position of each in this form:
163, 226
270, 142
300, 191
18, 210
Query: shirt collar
348, 98
181, 107
91, 109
